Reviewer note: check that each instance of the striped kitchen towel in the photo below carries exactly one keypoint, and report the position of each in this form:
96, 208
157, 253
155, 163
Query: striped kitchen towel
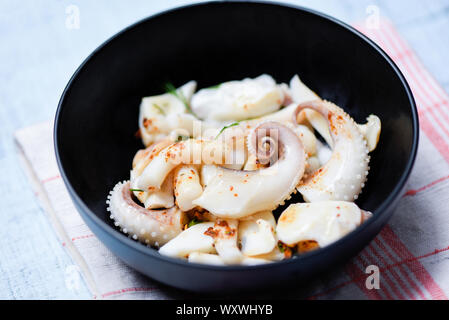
411, 252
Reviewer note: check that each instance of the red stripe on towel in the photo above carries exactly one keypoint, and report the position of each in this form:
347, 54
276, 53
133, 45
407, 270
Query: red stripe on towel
394, 265
413, 264
436, 139
395, 284
434, 87
359, 277
126, 290
390, 40
416, 76
363, 275
50, 179
413, 192
87, 236
403, 271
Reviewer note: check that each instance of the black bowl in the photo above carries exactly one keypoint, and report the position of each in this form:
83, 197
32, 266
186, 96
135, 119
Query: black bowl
211, 43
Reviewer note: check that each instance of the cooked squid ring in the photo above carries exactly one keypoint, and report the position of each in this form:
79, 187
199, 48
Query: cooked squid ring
257, 235
321, 223
225, 236
187, 186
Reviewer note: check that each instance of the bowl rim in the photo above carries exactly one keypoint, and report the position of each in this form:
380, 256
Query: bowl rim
388, 201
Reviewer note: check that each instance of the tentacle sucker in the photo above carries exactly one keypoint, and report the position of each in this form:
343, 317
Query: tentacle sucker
153, 227
344, 175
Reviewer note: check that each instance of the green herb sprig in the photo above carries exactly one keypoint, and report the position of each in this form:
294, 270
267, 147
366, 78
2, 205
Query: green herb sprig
214, 87
159, 108
193, 222
227, 127
136, 190
281, 247
182, 138
170, 88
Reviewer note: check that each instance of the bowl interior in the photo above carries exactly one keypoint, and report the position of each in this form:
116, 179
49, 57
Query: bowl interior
214, 43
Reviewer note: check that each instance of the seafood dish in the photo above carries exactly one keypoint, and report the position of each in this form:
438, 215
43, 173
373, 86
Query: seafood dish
246, 172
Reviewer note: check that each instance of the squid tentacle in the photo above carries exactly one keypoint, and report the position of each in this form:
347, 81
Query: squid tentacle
153, 227
232, 193
345, 174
